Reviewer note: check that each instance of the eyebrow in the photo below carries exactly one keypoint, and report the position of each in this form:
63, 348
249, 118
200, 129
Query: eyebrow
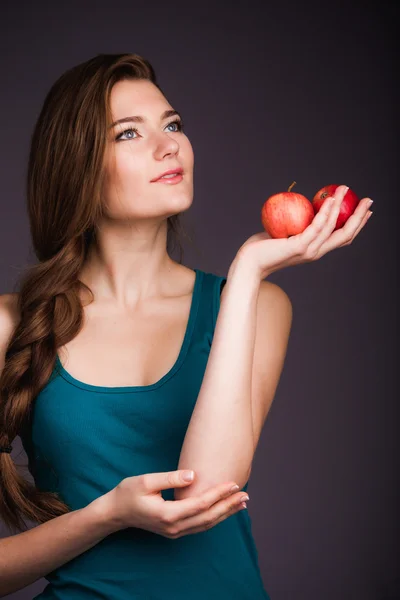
139, 119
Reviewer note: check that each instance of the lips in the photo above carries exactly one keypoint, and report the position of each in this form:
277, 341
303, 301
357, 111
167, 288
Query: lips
172, 180
178, 171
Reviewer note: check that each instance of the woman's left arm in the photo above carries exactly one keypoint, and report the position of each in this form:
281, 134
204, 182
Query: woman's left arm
249, 348
243, 370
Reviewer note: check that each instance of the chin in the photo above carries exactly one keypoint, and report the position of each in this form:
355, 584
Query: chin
181, 205
180, 199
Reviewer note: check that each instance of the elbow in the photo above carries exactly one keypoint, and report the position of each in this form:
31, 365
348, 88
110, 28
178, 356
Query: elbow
200, 485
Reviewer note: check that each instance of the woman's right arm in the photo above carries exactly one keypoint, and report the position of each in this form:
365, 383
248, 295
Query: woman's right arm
30, 555
135, 502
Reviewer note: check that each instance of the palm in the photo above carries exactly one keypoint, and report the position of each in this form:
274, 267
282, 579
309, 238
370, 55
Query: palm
315, 241
260, 237
278, 249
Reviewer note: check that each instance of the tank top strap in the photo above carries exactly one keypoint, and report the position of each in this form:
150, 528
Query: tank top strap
209, 306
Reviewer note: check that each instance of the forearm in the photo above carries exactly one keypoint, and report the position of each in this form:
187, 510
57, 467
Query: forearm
219, 443
30, 555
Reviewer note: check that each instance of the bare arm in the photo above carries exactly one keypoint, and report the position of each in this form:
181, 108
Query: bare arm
242, 373
55, 543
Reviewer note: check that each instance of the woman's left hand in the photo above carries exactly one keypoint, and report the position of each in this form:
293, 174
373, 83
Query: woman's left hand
268, 254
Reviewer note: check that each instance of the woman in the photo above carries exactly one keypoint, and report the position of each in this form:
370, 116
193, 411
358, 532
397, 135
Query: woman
117, 373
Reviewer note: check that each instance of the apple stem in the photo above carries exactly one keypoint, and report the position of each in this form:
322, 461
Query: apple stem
294, 183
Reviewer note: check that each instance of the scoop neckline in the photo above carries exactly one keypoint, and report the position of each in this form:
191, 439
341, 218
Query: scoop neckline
178, 363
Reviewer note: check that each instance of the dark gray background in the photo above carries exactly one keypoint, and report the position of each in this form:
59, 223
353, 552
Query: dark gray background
270, 93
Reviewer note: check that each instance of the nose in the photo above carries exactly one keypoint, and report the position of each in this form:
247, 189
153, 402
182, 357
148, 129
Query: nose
167, 145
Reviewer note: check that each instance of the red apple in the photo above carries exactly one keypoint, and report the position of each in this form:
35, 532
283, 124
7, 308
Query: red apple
347, 207
286, 214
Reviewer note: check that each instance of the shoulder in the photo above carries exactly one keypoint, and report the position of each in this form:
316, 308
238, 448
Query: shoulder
9, 318
9, 314
271, 294
274, 311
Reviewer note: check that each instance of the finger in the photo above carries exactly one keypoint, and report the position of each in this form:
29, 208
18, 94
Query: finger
217, 513
326, 231
301, 241
341, 191
177, 510
361, 225
317, 226
348, 232
154, 482
363, 222
201, 528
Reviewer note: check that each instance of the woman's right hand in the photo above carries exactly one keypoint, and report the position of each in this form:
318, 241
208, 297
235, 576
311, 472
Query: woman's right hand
137, 502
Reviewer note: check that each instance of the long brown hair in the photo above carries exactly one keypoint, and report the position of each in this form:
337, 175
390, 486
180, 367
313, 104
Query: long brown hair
64, 183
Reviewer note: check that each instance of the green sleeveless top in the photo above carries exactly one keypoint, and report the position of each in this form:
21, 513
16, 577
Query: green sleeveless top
84, 439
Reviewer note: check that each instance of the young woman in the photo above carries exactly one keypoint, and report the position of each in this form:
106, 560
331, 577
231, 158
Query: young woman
122, 369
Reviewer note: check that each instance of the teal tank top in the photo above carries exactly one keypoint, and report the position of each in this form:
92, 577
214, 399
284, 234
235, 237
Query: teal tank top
84, 439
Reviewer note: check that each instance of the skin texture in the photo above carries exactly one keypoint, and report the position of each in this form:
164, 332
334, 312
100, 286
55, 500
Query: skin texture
130, 263
249, 347
140, 292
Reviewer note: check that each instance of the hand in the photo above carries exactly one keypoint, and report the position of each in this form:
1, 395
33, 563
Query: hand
267, 255
137, 502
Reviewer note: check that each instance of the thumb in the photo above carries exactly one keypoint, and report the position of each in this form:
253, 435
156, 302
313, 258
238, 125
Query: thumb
169, 479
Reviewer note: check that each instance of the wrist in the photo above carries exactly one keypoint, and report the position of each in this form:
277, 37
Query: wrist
103, 512
243, 270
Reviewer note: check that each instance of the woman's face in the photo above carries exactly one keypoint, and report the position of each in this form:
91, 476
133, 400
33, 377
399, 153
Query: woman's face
134, 158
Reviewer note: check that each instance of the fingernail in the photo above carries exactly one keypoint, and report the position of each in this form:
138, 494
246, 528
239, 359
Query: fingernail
244, 498
346, 189
235, 487
188, 476
370, 202
370, 214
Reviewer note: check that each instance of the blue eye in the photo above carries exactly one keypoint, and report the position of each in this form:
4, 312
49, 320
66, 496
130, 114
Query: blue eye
177, 122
